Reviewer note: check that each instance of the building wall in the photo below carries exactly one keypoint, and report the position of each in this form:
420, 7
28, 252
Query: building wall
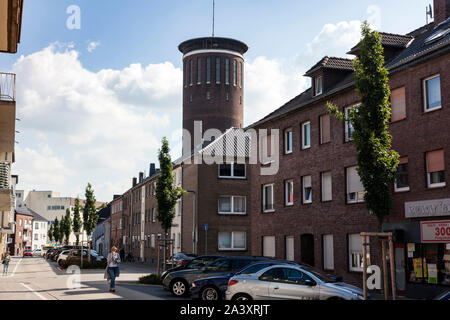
39, 232
19, 243
190, 183
117, 223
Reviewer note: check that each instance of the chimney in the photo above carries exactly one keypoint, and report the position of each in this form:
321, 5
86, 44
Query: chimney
441, 11
152, 169
134, 181
141, 177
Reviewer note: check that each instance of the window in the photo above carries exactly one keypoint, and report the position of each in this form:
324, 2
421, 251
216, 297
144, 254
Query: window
154, 215
179, 241
306, 135
208, 70
36, 236
185, 74
268, 199
232, 170
152, 240
401, 177
20, 222
318, 85
349, 129
20, 234
227, 96
199, 70
269, 246
217, 70
36, 226
290, 248
327, 189
435, 168
232, 241
208, 95
227, 71
154, 189
328, 252
398, 104
288, 141
235, 73
355, 252
49, 207
432, 93
355, 188
242, 74
325, 132
289, 192
232, 205
191, 82
307, 189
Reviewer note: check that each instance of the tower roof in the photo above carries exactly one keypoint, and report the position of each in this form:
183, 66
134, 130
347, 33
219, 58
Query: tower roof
213, 43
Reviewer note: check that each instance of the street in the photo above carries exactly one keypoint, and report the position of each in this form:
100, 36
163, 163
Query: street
39, 279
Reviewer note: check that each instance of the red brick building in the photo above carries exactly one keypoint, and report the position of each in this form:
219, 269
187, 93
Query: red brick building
117, 221
22, 238
312, 210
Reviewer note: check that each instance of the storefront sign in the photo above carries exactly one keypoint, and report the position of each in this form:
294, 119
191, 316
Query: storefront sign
435, 231
429, 208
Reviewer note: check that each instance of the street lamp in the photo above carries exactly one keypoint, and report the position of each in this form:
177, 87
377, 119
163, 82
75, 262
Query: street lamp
194, 223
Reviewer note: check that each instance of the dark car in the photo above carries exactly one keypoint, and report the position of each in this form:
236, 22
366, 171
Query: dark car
179, 258
213, 288
196, 263
444, 296
179, 282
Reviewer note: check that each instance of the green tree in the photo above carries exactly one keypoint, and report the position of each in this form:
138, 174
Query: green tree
50, 233
90, 216
167, 194
56, 233
77, 222
377, 162
67, 227
62, 225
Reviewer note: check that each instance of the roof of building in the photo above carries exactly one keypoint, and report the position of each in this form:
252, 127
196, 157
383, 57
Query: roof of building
332, 63
416, 49
23, 210
389, 40
104, 213
214, 43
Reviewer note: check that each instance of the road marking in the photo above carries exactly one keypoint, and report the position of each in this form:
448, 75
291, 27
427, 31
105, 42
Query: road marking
15, 268
36, 293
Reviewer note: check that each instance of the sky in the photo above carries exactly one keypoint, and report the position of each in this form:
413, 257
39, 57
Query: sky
99, 82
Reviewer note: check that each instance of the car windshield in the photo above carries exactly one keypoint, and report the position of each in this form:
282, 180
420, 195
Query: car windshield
255, 268
319, 274
200, 262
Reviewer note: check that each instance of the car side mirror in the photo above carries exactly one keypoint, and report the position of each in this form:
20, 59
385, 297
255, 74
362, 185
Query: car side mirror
309, 283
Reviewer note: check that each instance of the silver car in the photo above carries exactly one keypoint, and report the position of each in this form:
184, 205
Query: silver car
283, 282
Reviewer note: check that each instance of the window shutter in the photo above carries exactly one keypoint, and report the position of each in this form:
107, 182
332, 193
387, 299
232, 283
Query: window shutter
398, 104
325, 128
307, 182
326, 186
403, 160
328, 252
269, 246
435, 161
353, 181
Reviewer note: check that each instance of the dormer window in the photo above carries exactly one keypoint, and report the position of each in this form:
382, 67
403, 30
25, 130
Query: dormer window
318, 85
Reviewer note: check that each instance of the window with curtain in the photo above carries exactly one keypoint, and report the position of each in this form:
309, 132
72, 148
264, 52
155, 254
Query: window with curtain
288, 141
268, 199
191, 71
402, 177
234, 240
356, 253
328, 252
306, 135
307, 189
435, 168
355, 188
432, 92
232, 205
398, 104
327, 193
289, 192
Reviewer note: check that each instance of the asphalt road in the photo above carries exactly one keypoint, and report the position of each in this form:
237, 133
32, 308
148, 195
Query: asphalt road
40, 279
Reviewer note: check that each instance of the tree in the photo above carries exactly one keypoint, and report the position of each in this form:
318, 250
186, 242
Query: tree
77, 222
90, 216
167, 194
377, 162
50, 233
62, 224
67, 227
56, 230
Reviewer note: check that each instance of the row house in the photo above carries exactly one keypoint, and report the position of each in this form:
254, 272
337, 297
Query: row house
313, 209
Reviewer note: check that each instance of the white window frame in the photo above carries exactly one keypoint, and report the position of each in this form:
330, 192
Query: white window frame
425, 96
318, 89
305, 146
305, 201
358, 199
434, 185
358, 268
232, 212
348, 123
232, 241
232, 171
286, 193
404, 189
272, 185
286, 140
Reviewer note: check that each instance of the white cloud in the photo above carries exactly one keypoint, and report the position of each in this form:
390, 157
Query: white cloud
92, 46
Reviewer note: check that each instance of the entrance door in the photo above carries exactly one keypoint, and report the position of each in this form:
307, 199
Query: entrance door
307, 249
400, 275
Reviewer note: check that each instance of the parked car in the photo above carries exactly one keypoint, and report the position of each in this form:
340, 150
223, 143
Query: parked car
283, 282
179, 282
62, 257
56, 253
74, 257
49, 252
179, 259
28, 253
195, 263
444, 296
37, 252
45, 249
214, 288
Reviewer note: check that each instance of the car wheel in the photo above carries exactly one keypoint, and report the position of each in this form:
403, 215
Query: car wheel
241, 297
179, 287
210, 294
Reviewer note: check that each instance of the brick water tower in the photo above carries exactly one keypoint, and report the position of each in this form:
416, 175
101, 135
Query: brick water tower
213, 83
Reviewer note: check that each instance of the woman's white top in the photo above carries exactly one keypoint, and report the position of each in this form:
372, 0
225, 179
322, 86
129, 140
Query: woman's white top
112, 263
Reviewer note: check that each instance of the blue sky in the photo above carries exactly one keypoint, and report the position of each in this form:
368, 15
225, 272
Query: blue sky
80, 109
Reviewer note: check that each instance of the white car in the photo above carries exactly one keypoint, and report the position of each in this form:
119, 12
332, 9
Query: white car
37, 252
63, 256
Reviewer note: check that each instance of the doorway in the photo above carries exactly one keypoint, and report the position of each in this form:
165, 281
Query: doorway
307, 248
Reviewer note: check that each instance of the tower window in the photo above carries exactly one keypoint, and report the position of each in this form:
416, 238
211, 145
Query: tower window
208, 70
185, 74
191, 72
242, 75
208, 95
228, 96
199, 71
218, 70
190, 98
227, 71
235, 73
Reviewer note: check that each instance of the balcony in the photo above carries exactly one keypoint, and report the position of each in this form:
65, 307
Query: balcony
7, 86
10, 24
7, 115
27, 227
26, 239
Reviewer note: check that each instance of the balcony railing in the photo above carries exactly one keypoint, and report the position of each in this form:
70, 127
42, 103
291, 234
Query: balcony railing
7, 86
4, 175
27, 226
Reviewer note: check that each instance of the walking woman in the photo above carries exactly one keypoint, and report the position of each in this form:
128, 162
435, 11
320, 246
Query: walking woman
6, 260
112, 268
